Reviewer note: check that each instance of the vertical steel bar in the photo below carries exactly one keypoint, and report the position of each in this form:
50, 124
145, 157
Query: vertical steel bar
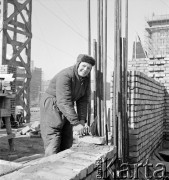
105, 66
101, 66
123, 102
115, 75
98, 69
95, 78
117, 79
120, 117
89, 52
89, 29
125, 83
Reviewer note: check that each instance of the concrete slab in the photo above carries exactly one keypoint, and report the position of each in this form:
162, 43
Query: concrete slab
8, 167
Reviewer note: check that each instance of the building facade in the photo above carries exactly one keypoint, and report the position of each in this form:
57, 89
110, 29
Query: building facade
36, 86
157, 36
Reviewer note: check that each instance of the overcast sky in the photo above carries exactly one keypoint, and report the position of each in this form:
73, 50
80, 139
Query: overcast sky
60, 30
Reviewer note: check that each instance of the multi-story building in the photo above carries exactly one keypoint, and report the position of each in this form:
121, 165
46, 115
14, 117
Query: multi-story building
157, 35
35, 86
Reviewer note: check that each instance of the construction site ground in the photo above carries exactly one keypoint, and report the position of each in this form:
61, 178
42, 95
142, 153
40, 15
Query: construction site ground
24, 145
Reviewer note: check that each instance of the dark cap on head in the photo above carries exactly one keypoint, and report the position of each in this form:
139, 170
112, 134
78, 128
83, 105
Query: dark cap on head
86, 58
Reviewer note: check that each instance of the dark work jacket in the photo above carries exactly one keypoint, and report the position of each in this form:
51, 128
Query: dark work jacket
69, 88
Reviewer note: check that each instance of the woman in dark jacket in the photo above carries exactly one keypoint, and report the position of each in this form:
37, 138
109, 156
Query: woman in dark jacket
63, 107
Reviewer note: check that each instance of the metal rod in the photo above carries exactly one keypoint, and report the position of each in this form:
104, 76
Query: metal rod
125, 82
114, 130
101, 67
120, 138
98, 69
105, 66
89, 52
89, 29
95, 78
124, 102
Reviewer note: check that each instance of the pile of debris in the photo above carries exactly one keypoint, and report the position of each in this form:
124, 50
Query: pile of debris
32, 130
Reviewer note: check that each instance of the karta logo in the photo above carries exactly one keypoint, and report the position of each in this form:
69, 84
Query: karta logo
130, 171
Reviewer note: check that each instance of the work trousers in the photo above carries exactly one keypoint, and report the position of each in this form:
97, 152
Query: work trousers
56, 130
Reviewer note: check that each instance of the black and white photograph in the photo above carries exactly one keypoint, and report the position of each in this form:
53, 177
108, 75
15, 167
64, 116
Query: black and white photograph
84, 89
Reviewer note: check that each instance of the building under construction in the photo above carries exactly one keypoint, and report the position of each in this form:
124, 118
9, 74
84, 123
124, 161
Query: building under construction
157, 35
127, 140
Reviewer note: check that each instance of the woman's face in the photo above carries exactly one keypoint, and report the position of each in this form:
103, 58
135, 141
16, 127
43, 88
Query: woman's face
84, 69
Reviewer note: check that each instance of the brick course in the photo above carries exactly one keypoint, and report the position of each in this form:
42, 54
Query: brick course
146, 110
71, 164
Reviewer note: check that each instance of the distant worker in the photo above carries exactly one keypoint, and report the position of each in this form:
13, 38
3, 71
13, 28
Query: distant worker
63, 107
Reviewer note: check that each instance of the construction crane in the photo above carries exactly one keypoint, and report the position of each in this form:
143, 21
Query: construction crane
15, 49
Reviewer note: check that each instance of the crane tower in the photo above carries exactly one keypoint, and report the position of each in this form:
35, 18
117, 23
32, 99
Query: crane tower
15, 46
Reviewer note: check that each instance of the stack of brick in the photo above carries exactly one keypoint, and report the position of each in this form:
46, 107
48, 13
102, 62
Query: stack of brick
6, 69
146, 107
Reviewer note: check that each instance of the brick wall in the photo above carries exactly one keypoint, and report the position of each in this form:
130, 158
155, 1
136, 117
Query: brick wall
158, 69
146, 108
76, 163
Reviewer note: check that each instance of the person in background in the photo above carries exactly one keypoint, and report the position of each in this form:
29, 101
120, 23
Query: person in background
63, 107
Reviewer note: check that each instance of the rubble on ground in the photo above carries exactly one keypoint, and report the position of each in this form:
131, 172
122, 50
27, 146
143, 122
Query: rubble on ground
32, 130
